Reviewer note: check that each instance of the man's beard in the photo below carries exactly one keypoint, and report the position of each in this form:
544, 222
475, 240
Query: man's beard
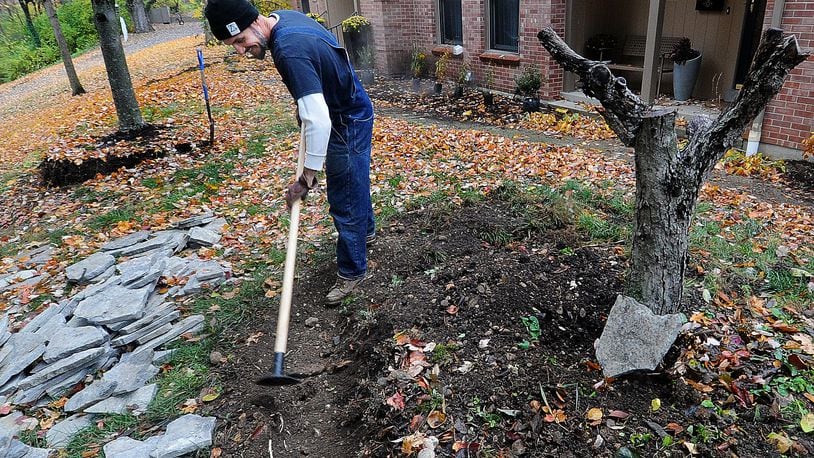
262, 44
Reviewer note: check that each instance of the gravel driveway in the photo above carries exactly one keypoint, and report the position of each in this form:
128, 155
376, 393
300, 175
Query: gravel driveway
22, 93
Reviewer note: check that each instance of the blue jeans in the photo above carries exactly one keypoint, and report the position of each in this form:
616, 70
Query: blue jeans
347, 171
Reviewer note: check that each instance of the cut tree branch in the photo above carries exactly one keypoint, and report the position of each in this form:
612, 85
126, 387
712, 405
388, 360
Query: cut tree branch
623, 109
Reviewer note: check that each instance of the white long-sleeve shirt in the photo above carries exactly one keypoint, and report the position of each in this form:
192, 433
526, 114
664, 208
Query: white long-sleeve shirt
316, 120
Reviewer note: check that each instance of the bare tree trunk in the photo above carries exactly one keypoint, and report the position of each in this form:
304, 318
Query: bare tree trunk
668, 179
141, 22
76, 86
124, 97
30, 24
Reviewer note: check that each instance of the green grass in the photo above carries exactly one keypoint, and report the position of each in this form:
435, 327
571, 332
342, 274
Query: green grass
598, 229
109, 219
100, 432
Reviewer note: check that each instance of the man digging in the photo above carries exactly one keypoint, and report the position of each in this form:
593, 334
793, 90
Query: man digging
336, 115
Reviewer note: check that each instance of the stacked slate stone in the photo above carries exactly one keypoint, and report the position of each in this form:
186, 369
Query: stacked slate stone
114, 327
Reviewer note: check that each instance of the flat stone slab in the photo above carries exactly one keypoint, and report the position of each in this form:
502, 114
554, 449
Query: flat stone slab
45, 316
170, 240
4, 331
217, 225
125, 447
150, 331
150, 317
197, 220
126, 241
59, 385
635, 339
179, 328
114, 305
135, 402
51, 327
67, 341
155, 333
17, 449
89, 268
132, 372
19, 352
75, 361
91, 394
199, 236
36, 256
184, 435
61, 434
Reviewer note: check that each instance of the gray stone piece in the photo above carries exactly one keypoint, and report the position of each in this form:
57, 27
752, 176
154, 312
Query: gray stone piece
89, 268
126, 241
35, 256
125, 447
17, 449
155, 333
61, 434
95, 289
184, 435
31, 282
635, 339
217, 225
163, 356
51, 327
132, 372
91, 394
209, 270
135, 402
59, 385
45, 316
148, 332
187, 324
160, 241
105, 276
67, 341
75, 361
151, 276
114, 305
151, 315
11, 385
176, 266
4, 331
197, 220
133, 269
199, 236
19, 352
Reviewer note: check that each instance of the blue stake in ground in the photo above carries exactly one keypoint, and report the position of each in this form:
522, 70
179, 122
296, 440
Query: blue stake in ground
206, 98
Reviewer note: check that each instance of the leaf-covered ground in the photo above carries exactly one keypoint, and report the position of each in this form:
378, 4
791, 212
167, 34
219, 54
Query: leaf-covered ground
500, 256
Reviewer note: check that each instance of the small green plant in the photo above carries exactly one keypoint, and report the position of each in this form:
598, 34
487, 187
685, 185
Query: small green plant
532, 325
395, 280
441, 66
638, 439
355, 23
464, 74
418, 60
366, 57
529, 81
443, 353
683, 51
492, 419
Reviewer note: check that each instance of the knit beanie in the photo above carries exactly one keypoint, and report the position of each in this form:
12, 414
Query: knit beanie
228, 18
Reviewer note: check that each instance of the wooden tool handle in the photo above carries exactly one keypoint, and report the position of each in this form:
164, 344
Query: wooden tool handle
284, 314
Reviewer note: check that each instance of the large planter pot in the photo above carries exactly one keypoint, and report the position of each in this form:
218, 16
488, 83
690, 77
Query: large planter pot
684, 77
366, 76
439, 87
531, 104
355, 41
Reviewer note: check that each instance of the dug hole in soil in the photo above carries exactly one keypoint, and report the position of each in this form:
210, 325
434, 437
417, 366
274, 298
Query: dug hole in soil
435, 346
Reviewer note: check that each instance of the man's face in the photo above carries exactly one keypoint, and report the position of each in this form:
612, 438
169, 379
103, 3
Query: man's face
251, 41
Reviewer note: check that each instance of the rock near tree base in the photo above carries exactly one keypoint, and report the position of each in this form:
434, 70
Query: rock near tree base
634, 338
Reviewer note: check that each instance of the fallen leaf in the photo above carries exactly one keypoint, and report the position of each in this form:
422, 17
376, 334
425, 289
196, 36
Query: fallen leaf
692, 448
618, 414
807, 422
396, 401
781, 441
215, 452
655, 404
436, 418
254, 338
594, 415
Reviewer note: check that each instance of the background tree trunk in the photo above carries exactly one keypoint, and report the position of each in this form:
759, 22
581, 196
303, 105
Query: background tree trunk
30, 24
124, 97
76, 86
141, 22
668, 179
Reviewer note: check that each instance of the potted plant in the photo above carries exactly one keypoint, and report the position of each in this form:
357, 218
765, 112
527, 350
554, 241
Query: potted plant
318, 18
356, 30
488, 81
686, 65
464, 77
441, 71
366, 59
528, 84
418, 60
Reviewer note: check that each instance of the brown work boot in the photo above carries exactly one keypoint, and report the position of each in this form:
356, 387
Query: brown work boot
342, 289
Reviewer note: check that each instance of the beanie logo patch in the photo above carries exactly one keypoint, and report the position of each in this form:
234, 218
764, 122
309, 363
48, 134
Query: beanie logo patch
233, 28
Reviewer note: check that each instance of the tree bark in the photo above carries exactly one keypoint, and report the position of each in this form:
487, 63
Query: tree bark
141, 22
668, 179
76, 86
30, 24
124, 97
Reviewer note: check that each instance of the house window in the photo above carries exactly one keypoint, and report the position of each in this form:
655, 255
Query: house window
504, 24
306, 7
451, 22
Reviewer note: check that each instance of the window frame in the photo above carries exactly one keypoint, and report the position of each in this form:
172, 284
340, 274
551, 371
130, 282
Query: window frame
492, 45
442, 39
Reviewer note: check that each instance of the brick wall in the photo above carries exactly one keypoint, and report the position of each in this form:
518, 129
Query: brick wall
399, 25
789, 120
